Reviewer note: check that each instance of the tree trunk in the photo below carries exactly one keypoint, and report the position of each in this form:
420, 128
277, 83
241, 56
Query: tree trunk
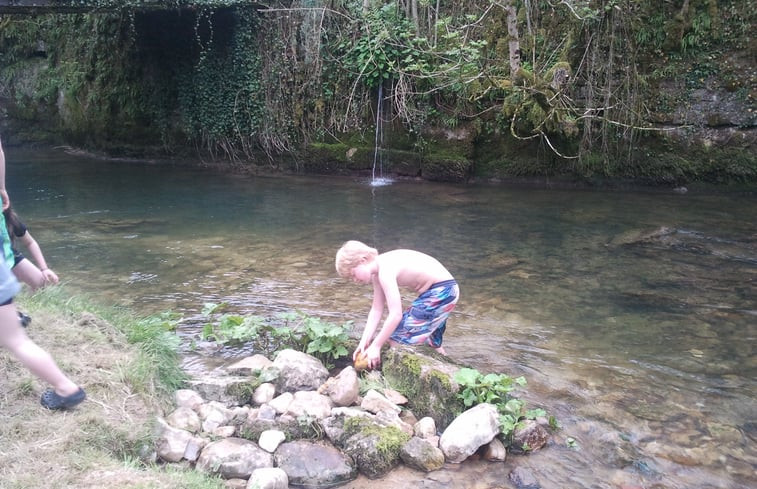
513, 39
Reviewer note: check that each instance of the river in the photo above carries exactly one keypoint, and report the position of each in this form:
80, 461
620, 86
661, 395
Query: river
631, 314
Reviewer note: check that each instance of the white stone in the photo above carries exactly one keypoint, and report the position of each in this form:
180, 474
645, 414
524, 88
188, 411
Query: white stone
468, 432
264, 393
268, 478
271, 439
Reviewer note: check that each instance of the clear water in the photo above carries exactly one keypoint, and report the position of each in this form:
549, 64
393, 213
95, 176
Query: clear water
644, 352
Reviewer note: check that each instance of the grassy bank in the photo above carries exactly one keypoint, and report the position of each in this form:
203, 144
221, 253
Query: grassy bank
127, 365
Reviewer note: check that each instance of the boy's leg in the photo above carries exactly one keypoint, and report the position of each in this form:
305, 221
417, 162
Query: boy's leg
38, 361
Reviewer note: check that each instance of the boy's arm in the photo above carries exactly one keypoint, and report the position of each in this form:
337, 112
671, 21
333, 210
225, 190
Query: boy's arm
374, 316
393, 300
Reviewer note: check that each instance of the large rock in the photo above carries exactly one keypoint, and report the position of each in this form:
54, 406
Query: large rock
314, 464
299, 371
374, 446
468, 432
233, 458
427, 382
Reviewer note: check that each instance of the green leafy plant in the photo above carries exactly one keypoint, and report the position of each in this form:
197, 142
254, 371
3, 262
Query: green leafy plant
477, 388
324, 340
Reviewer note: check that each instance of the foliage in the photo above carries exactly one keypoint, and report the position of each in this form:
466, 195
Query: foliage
232, 81
325, 341
492, 388
159, 353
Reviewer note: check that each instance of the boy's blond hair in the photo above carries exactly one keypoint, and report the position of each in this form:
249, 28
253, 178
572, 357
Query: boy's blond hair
351, 254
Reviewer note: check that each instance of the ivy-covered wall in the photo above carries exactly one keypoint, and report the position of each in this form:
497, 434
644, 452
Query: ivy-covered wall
587, 89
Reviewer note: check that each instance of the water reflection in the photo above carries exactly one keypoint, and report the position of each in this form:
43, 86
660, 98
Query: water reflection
632, 315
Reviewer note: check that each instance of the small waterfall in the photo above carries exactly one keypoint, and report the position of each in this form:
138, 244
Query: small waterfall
378, 158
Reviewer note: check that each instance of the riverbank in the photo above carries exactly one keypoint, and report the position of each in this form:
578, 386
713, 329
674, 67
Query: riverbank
100, 443
741, 184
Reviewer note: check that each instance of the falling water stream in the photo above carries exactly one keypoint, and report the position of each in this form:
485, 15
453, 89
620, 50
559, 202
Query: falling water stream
378, 180
631, 314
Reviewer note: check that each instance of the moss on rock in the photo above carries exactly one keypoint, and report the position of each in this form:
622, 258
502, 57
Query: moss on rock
426, 382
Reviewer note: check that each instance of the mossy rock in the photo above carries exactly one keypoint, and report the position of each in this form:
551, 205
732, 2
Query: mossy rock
427, 381
374, 448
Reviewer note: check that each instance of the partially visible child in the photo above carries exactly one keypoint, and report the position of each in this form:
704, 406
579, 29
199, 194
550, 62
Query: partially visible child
35, 276
63, 393
426, 318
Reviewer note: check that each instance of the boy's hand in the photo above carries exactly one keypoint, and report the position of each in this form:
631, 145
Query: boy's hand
373, 354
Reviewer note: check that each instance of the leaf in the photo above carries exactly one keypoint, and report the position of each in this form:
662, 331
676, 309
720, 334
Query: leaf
467, 376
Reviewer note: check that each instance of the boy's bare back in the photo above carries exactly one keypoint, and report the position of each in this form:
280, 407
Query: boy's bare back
412, 269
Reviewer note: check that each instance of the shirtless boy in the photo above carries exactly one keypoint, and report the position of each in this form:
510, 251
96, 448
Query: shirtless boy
424, 321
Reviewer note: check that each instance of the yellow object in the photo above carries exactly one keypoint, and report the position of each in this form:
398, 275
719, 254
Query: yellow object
361, 362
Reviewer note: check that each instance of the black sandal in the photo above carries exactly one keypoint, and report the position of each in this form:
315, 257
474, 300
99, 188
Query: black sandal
51, 400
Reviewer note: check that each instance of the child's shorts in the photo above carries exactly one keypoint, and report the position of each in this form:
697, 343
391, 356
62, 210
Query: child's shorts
426, 319
9, 286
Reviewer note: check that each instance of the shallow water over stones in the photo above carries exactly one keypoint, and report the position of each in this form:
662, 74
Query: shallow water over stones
640, 342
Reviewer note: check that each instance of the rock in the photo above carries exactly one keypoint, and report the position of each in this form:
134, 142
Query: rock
170, 442
524, 479
268, 478
233, 458
309, 403
299, 371
333, 426
468, 432
426, 380
342, 389
224, 431
528, 436
422, 455
314, 464
184, 418
494, 451
375, 402
395, 397
249, 365
194, 448
374, 448
271, 439
425, 428
281, 403
264, 393
231, 391
188, 398
213, 415
637, 236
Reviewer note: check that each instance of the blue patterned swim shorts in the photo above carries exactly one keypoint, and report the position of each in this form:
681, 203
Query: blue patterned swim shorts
426, 318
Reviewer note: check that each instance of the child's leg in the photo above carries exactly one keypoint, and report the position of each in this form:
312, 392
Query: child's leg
38, 361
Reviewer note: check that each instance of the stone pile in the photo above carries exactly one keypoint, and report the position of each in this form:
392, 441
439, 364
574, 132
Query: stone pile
268, 424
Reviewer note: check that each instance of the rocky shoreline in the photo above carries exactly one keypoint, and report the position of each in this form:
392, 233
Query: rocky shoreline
272, 424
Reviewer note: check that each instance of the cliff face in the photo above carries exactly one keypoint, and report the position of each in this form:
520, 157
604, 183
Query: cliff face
645, 91
716, 112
